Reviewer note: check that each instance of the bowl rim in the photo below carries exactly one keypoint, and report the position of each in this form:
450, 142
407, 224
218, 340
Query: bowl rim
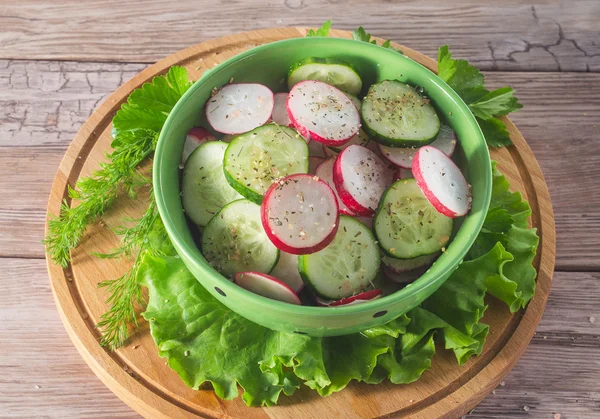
380, 304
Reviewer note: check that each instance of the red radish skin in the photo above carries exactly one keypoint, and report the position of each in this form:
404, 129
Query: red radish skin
325, 173
442, 182
267, 286
313, 164
360, 178
322, 112
239, 107
300, 214
279, 115
355, 299
194, 138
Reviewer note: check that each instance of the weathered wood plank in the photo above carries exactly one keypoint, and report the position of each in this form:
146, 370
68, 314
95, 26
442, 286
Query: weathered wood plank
48, 101
510, 35
36, 351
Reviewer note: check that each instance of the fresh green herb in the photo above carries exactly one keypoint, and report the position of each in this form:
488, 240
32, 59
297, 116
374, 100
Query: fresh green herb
95, 194
322, 31
136, 127
468, 82
361, 35
186, 322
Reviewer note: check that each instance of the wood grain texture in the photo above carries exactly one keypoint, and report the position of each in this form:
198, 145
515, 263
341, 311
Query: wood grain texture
510, 35
36, 351
48, 101
140, 378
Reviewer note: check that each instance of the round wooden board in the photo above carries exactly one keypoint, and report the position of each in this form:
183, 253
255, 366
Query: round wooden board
137, 375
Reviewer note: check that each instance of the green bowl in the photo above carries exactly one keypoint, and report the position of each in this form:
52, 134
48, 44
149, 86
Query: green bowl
268, 64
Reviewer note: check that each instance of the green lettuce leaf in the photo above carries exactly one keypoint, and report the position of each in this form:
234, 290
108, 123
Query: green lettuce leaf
205, 341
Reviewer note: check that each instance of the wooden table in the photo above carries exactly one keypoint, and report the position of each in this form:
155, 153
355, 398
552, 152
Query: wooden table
59, 61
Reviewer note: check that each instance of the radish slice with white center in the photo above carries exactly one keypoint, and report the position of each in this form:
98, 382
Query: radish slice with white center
442, 182
280, 115
313, 163
267, 286
325, 173
286, 271
323, 111
194, 138
239, 107
363, 297
360, 179
300, 214
403, 157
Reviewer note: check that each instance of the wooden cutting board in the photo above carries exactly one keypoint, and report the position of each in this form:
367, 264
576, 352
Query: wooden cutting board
141, 379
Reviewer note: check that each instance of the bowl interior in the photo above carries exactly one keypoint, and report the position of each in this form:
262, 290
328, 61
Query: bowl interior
268, 64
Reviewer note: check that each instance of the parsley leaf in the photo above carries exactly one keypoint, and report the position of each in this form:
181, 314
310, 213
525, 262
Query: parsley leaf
468, 82
494, 131
360, 34
497, 103
322, 31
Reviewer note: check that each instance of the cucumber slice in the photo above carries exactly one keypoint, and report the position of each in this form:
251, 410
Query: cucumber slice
407, 225
395, 114
333, 71
344, 268
406, 265
204, 189
234, 240
256, 159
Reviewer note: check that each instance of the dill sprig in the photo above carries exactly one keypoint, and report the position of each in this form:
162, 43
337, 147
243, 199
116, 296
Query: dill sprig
95, 194
125, 293
136, 127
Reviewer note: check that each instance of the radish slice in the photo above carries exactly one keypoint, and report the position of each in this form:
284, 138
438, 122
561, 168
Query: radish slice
300, 214
325, 173
442, 182
322, 111
280, 115
313, 163
363, 297
287, 271
194, 139
267, 286
360, 179
403, 157
239, 107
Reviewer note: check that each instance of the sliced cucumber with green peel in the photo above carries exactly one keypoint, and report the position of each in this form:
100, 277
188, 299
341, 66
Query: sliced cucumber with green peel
234, 240
333, 71
406, 265
204, 189
344, 268
395, 114
256, 159
407, 225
